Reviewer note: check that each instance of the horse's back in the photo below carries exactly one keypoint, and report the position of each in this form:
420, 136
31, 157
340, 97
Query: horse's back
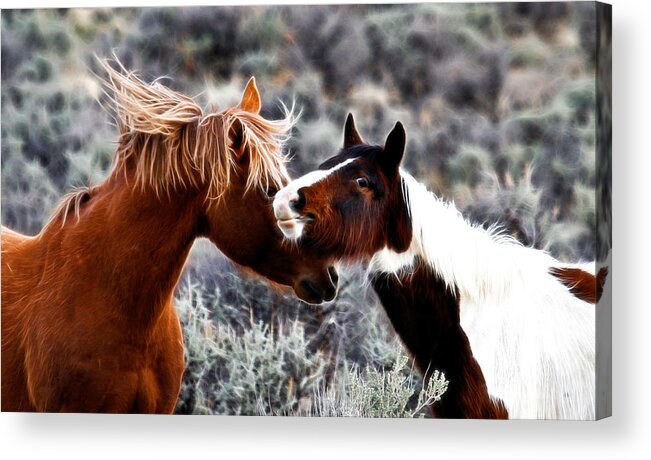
19, 261
536, 347
15, 248
541, 366
11, 239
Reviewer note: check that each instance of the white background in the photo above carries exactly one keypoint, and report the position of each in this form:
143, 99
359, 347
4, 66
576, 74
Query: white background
625, 435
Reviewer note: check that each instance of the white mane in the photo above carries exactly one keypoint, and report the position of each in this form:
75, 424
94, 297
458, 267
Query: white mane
534, 340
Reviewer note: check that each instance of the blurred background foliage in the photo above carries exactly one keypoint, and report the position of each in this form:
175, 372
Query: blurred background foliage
498, 101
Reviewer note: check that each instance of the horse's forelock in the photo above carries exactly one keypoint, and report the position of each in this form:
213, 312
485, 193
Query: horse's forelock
146, 108
175, 145
266, 140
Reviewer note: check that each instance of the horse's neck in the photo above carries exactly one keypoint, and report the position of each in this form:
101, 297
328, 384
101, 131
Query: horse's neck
448, 259
478, 263
425, 313
129, 245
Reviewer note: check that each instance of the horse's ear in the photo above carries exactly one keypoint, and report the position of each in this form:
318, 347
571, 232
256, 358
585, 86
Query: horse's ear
351, 136
251, 98
394, 149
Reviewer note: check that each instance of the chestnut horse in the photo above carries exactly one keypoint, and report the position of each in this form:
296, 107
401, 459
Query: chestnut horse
88, 321
511, 327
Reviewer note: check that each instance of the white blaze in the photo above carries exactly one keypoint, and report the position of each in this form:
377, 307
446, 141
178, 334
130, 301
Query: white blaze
290, 222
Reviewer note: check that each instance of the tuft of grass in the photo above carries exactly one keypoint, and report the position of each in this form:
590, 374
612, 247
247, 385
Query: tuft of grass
378, 393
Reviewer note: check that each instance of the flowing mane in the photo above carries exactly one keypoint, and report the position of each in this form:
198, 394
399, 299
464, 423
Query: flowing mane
477, 261
169, 138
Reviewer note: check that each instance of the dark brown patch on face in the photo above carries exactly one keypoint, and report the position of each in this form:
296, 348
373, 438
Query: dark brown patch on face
582, 284
425, 313
358, 209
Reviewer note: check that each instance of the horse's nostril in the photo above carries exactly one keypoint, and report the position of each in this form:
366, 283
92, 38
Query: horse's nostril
313, 293
334, 276
298, 203
329, 294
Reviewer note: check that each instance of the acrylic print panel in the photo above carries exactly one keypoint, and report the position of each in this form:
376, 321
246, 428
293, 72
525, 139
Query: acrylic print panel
450, 257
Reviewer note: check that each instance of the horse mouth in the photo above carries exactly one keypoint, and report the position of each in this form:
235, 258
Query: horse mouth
293, 226
303, 218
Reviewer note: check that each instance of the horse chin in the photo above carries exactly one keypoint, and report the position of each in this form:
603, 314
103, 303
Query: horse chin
292, 229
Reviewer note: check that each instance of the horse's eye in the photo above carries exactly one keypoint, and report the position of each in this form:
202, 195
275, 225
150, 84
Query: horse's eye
271, 192
362, 182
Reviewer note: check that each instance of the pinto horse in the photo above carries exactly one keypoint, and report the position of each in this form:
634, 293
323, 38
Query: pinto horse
88, 321
512, 328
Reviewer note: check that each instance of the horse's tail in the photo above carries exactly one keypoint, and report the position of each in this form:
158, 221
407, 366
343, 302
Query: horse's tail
582, 284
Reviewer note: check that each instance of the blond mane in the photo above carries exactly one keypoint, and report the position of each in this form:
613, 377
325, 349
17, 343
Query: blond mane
174, 145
